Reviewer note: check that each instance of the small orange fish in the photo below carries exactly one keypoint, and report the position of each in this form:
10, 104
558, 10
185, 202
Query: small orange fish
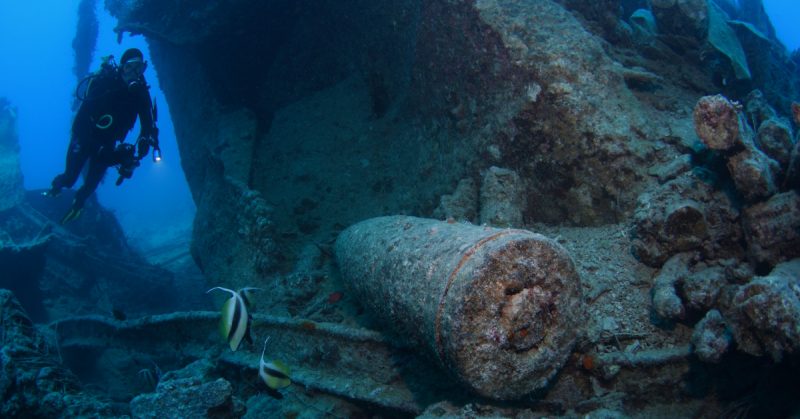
588, 362
308, 325
796, 112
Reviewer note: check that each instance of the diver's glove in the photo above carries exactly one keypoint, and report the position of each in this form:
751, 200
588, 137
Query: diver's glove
145, 142
126, 161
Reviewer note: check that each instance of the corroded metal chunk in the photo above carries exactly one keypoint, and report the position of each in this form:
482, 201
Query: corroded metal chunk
716, 122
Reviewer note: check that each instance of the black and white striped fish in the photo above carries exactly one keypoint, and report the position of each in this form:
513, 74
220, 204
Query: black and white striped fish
274, 373
236, 318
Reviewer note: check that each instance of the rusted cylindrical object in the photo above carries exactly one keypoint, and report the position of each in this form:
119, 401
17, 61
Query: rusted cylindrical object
499, 308
716, 121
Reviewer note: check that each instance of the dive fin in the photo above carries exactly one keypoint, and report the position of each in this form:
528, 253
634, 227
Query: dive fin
73, 214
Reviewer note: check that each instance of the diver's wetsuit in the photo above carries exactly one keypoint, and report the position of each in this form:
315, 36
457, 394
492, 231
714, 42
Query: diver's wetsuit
105, 116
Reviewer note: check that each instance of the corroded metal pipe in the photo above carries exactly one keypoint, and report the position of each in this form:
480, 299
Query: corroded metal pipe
498, 308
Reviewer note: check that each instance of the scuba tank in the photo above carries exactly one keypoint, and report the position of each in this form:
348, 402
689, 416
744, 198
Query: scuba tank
108, 68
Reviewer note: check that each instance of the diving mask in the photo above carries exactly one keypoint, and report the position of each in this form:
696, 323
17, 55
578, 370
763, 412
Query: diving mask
133, 68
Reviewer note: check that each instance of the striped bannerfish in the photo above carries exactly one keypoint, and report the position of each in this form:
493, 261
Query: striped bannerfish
235, 322
274, 373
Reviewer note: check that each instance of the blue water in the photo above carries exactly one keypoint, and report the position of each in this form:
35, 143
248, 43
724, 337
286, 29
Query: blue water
785, 16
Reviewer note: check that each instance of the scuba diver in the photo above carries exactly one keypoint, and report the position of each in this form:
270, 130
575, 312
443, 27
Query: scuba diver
111, 99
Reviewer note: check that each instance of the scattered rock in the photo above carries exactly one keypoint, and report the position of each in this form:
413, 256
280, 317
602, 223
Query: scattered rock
757, 108
701, 289
683, 215
711, 337
667, 172
766, 313
189, 393
461, 205
754, 174
772, 229
716, 121
685, 224
666, 302
774, 138
502, 198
